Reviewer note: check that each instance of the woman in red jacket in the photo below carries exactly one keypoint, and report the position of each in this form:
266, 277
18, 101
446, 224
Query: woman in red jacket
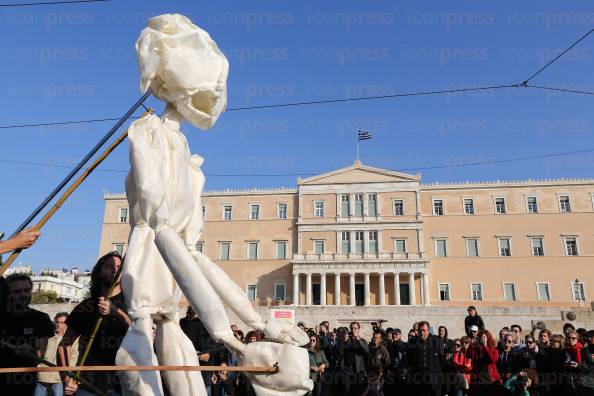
484, 379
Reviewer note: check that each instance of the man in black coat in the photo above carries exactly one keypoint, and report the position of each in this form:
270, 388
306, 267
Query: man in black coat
354, 353
425, 358
473, 319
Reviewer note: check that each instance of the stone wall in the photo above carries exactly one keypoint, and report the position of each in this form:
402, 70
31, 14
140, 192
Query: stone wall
403, 317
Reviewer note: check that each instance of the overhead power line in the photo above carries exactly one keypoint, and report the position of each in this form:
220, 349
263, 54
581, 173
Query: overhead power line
290, 104
557, 57
52, 3
561, 89
444, 166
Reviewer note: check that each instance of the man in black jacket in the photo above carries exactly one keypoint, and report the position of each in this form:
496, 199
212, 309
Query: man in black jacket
354, 352
425, 358
473, 319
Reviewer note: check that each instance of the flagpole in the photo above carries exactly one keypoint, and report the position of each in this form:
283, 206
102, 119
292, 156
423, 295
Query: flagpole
357, 151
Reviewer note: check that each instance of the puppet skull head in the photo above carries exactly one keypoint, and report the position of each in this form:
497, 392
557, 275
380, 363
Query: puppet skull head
183, 66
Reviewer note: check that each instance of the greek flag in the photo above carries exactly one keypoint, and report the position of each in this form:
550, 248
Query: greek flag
363, 135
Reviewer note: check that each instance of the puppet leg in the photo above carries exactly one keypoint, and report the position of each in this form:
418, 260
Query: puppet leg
174, 348
196, 287
235, 298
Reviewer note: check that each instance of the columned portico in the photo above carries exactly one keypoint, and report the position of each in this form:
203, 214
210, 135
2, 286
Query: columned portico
375, 278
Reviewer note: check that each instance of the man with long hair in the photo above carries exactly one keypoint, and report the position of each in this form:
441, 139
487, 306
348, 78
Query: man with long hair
114, 325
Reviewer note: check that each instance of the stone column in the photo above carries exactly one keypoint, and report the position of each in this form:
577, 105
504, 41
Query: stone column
367, 297
308, 289
322, 289
396, 288
382, 289
352, 300
425, 280
337, 288
295, 289
411, 288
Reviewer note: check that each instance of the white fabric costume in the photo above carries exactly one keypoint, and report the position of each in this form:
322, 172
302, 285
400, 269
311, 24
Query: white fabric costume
183, 66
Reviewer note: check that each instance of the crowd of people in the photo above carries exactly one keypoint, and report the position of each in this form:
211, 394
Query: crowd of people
342, 361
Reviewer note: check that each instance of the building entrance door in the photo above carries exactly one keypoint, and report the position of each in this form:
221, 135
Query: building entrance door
315, 294
404, 295
359, 295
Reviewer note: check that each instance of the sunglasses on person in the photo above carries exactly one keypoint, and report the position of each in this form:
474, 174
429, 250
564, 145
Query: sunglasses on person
530, 342
313, 340
573, 338
508, 341
467, 342
457, 345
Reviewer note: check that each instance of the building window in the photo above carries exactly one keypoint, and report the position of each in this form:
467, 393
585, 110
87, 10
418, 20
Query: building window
119, 247
543, 292
225, 248
251, 292
279, 291
500, 205
509, 292
504, 246
227, 212
372, 204
578, 291
345, 237
441, 249
571, 248
359, 242
373, 242
319, 247
398, 207
437, 207
199, 246
203, 211
319, 209
345, 205
123, 215
444, 292
537, 247
253, 251
358, 205
281, 250
477, 291
400, 245
282, 211
531, 205
472, 247
564, 204
469, 206
254, 212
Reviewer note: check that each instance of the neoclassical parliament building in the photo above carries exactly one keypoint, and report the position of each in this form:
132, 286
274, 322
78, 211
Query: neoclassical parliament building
363, 236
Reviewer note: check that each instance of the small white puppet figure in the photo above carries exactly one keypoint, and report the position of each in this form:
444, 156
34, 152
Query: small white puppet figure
181, 65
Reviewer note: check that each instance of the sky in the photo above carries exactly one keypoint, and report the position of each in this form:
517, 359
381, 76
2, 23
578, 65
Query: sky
77, 62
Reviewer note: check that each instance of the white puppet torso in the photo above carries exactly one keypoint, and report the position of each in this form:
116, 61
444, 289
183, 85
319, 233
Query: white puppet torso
164, 189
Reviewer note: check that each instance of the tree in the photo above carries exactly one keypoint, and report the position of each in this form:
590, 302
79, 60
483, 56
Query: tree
44, 297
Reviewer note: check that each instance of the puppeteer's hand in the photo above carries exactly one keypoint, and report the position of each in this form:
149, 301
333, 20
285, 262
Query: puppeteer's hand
106, 307
70, 386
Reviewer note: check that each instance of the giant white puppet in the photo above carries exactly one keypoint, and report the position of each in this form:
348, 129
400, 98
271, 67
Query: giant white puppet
181, 65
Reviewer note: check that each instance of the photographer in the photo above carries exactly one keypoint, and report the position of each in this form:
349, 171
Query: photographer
354, 351
517, 385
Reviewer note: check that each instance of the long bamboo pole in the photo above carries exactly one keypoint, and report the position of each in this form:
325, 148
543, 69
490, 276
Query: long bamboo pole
250, 369
69, 192
82, 163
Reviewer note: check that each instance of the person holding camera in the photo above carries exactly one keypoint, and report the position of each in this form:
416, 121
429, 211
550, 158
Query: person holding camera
518, 384
354, 352
484, 379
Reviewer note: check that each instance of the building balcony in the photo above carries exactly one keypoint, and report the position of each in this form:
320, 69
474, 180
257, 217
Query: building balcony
356, 257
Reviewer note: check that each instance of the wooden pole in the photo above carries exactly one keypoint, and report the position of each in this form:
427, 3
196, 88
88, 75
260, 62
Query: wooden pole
249, 369
69, 192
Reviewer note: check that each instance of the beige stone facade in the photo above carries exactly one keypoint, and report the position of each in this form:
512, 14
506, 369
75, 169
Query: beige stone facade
373, 237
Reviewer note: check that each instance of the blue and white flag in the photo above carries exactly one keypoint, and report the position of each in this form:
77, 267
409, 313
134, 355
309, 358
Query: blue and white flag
363, 135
